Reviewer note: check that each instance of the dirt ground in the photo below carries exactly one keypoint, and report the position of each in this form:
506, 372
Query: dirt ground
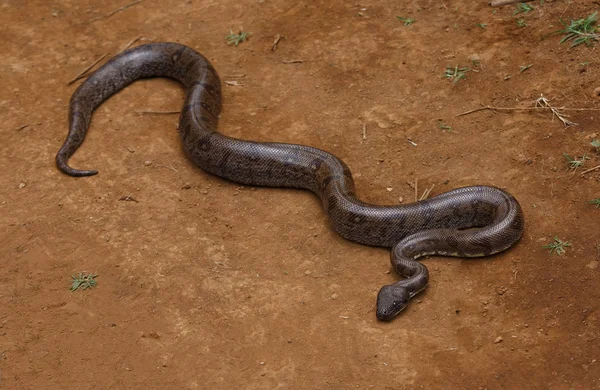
206, 284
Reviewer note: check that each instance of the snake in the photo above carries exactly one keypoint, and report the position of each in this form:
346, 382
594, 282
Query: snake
473, 221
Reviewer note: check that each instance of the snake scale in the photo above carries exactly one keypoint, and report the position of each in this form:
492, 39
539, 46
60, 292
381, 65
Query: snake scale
466, 222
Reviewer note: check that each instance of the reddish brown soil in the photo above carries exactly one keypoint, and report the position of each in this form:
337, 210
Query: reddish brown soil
206, 284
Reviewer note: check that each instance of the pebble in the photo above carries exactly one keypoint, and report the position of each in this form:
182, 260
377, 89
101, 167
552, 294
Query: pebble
22, 185
148, 162
498, 340
597, 91
593, 264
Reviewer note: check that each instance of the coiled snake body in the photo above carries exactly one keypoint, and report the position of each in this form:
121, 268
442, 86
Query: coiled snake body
466, 222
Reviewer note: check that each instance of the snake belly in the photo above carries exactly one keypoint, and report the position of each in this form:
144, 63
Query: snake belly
467, 222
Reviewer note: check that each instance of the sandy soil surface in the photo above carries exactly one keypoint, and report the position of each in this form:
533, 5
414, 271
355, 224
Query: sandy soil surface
206, 284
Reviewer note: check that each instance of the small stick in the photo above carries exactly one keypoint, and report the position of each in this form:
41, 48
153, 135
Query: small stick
21, 127
276, 41
128, 198
525, 109
427, 192
293, 61
150, 112
590, 170
170, 166
416, 190
82, 74
500, 3
123, 8
134, 40
364, 131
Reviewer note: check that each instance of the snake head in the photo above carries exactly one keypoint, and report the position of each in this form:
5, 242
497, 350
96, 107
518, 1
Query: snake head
391, 301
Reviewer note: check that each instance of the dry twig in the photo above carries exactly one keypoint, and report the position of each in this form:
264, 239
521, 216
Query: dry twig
150, 112
590, 170
545, 103
500, 3
82, 74
427, 192
540, 103
123, 8
276, 41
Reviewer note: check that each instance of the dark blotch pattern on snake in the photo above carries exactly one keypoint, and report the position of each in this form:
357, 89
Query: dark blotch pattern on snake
466, 222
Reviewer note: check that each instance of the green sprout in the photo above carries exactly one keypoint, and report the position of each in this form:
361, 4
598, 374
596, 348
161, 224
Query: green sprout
521, 23
455, 74
444, 126
596, 143
236, 39
523, 8
407, 21
524, 68
575, 163
83, 281
580, 31
595, 202
558, 246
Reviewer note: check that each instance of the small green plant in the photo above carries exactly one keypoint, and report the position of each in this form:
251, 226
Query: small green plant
596, 143
236, 39
482, 25
83, 281
407, 21
456, 73
524, 68
444, 126
580, 31
521, 23
595, 202
575, 163
558, 246
523, 8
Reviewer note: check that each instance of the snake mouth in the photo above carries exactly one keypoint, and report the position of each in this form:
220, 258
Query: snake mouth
387, 315
391, 300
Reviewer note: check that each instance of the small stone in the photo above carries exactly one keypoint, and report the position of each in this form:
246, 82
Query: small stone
389, 189
148, 162
498, 340
592, 264
22, 185
597, 91
501, 290
333, 296
289, 341
400, 199
307, 272
186, 186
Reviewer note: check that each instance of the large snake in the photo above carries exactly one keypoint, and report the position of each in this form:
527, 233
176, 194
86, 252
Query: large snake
467, 222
